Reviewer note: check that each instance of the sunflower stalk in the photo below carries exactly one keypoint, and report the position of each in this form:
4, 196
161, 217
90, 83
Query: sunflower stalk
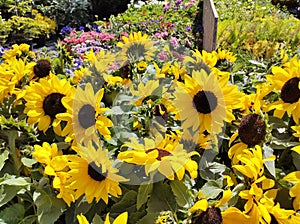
11, 137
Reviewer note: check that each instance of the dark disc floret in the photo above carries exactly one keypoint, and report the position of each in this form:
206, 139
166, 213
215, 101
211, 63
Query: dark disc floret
42, 68
86, 116
205, 101
95, 172
252, 129
290, 92
161, 153
210, 216
52, 104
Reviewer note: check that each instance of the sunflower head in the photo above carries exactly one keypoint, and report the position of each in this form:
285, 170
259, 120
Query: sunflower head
42, 68
205, 101
52, 104
252, 129
290, 92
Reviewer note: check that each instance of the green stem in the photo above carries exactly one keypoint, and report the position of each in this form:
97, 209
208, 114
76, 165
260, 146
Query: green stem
12, 136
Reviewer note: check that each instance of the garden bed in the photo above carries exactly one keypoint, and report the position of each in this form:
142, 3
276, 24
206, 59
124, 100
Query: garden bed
128, 120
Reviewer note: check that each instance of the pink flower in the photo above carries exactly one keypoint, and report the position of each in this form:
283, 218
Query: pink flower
162, 56
174, 42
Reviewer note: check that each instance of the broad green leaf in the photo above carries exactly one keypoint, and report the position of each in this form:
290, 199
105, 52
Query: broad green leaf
149, 218
49, 208
161, 199
181, 193
28, 162
127, 201
211, 189
7, 193
13, 181
143, 194
3, 158
97, 220
12, 214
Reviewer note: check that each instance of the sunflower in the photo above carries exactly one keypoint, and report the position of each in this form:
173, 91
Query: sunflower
136, 47
44, 102
251, 132
120, 219
286, 81
162, 154
84, 115
205, 101
92, 174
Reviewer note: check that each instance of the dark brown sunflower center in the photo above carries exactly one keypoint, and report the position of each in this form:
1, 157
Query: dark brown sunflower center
252, 129
290, 92
210, 216
205, 102
42, 68
86, 116
161, 153
52, 104
161, 111
95, 172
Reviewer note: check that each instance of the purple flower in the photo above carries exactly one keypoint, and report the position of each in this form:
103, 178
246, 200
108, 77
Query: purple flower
188, 28
81, 28
167, 6
178, 2
162, 56
66, 30
174, 42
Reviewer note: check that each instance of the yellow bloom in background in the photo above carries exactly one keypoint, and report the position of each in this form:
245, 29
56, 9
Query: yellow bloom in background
224, 55
136, 47
286, 81
162, 154
204, 102
43, 102
92, 174
16, 51
200, 60
79, 74
120, 219
84, 115
102, 60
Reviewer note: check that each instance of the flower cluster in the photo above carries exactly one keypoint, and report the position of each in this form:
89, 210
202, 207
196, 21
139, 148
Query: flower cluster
146, 131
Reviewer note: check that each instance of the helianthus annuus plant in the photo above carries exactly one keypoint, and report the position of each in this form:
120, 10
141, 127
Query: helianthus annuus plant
205, 101
85, 116
44, 102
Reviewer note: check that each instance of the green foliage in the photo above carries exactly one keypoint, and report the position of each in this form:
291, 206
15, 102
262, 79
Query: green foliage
257, 27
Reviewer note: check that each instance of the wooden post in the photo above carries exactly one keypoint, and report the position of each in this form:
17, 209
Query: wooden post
210, 25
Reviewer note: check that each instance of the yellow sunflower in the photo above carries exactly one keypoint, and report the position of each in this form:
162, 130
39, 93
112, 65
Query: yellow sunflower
136, 47
162, 154
84, 115
44, 102
101, 60
92, 174
205, 101
120, 219
286, 81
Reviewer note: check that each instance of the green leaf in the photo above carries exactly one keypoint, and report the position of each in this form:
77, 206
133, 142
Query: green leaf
128, 200
28, 162
12, 214
143, 194
161, 199
7, 193
181, 193
149, 218
49, 208
270, 165
97, 220
211, 189
3, 158
13, 181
